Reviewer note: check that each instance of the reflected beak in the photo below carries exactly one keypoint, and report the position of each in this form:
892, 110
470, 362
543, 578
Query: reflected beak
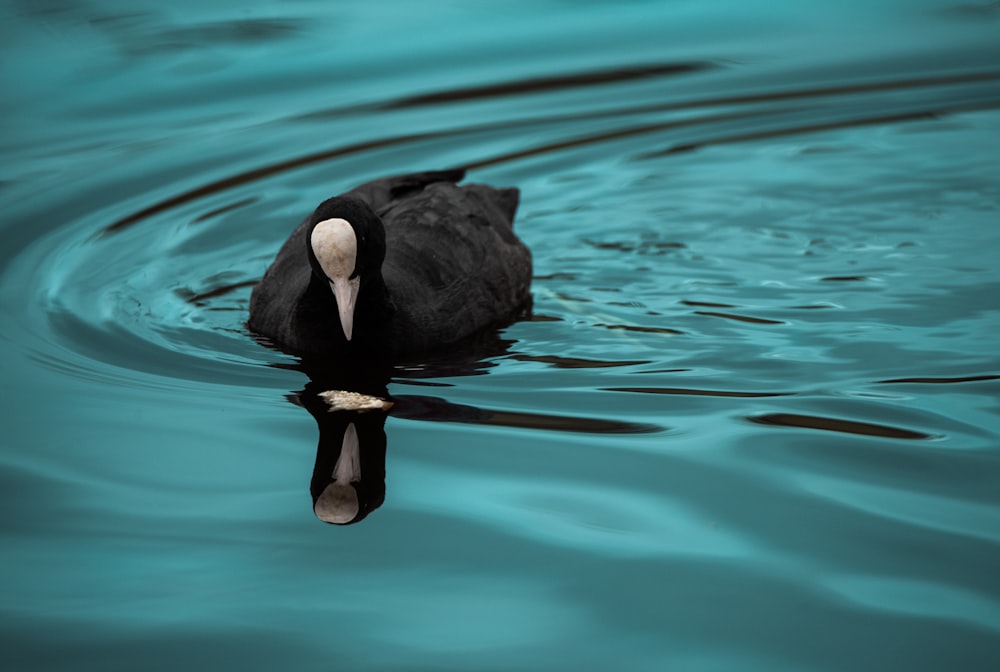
339, 503
345, 290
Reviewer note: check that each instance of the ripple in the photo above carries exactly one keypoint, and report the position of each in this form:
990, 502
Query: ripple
548, 84
133, 307
920, 598
200, 299
641, 330
940, 381
256, 174
632, 130
841, 425
786, 177
211, 214
694, 392
878, 120
707, 304
738, 318
606, 521
845, 278
577, 362
432, 408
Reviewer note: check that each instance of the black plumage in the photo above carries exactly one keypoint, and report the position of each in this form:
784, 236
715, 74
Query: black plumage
452, 267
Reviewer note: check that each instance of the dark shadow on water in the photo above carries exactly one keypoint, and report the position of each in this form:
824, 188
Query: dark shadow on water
532, 85
845, 278
707, 304
837, 425
694, 392
560, 362
642, 330
200, 298
412, 407
940, 381
548, 84
737, 318
879, 120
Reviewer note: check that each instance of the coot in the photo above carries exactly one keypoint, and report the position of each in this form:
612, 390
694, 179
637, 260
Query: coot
396, 266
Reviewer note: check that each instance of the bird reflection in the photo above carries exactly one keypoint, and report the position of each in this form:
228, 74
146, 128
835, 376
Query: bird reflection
348, 480
343, 397
350, 402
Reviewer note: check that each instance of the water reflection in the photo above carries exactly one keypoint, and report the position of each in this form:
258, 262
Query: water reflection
413, 407
348, 480
350, 402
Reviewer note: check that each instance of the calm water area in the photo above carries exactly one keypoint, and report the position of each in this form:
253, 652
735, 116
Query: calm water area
752, 424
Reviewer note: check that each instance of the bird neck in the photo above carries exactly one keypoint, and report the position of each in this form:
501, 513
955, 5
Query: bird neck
374, 303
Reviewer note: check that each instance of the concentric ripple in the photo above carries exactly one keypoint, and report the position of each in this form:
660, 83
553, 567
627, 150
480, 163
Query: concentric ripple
163, 288
751, 424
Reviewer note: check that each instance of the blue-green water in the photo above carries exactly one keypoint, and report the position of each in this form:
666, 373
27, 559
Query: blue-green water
753, 424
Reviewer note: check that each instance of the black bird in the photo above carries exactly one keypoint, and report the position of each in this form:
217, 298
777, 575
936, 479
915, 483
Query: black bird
396, 266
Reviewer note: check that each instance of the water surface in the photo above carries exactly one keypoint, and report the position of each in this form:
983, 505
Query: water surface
752, 424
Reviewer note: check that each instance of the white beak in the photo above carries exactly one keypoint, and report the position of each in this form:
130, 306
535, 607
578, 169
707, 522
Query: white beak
336, 248
345, 290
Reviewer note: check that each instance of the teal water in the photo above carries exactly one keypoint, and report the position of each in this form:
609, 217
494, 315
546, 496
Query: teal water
753, 424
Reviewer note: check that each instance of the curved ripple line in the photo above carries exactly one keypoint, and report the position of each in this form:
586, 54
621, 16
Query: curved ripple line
721, 101
837, 425
738, 318
794, 130
617, 134
642, 330
707, 304
411, 407
833, 91
200, 298
225, 208
547, 84
255, 174
263, 172
577, 362
939, 381
690, 391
